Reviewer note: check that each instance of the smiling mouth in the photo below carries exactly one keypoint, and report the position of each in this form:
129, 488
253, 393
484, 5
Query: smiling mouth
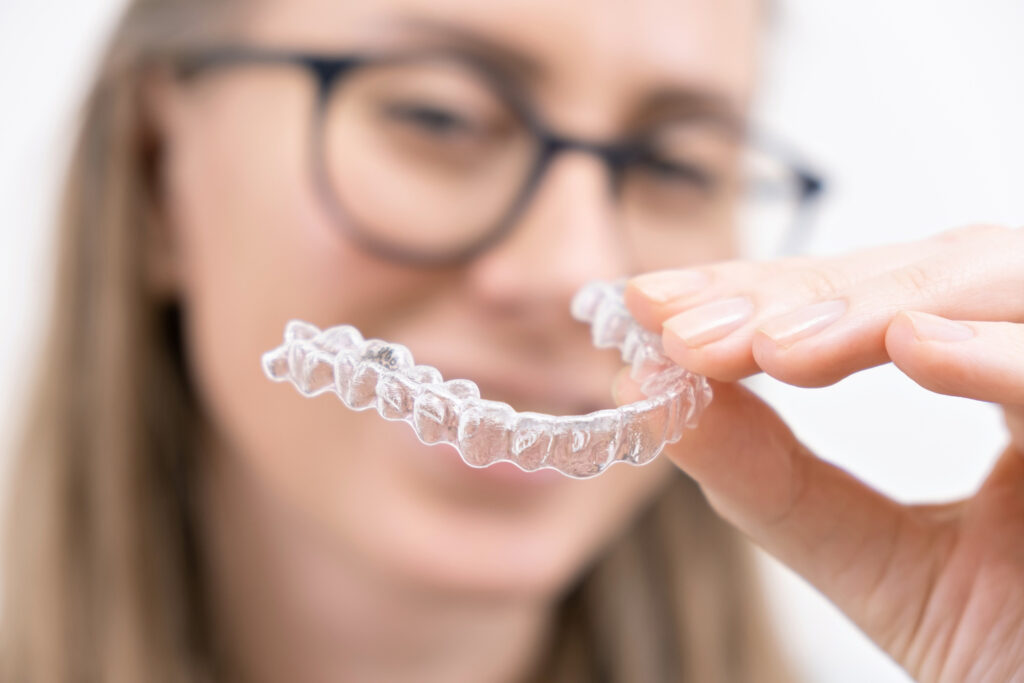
376, 374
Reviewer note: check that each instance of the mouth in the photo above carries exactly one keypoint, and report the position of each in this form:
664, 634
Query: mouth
501, 478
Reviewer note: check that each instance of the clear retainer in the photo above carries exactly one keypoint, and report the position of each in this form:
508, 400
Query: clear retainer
376, 374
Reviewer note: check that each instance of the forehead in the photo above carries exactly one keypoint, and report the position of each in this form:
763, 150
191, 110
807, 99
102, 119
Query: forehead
584, 50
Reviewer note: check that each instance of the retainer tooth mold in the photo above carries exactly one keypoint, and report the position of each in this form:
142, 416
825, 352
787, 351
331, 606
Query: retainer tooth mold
485, 432
532, 437
373, 373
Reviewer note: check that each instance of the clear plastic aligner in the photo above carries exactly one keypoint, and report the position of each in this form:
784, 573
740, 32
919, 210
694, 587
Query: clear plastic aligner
372, 373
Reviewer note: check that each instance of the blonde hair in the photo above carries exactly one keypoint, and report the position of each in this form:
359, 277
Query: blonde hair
102, 579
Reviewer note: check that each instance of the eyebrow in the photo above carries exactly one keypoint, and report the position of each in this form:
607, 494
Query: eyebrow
499, 54
664, 104
674, 103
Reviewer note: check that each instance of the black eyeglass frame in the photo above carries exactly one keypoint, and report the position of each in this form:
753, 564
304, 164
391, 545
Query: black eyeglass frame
330, 71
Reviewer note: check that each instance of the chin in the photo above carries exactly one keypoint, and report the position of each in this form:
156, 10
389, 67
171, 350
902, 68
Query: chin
431, 520
516, 561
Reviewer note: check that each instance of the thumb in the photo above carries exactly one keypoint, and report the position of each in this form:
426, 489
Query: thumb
745, 458
825, 524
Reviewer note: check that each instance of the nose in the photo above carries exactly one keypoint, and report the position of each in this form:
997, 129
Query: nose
566, 237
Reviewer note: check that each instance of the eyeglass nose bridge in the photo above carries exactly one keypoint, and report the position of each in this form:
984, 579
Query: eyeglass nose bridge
614, 157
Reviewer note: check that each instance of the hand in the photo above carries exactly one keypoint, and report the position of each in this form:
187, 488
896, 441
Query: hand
939, 587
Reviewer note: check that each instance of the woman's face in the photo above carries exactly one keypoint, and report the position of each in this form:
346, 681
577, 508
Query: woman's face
253, 247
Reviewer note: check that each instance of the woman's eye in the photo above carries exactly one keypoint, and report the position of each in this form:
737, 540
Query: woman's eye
679, 171
431, 119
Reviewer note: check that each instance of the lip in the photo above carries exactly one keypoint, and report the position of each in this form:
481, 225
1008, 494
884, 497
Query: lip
509, 474
499, 479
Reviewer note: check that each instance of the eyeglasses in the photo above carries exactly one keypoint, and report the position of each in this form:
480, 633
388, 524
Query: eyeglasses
430, 157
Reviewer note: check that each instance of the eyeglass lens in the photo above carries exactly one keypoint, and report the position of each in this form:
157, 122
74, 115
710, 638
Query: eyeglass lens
427, 156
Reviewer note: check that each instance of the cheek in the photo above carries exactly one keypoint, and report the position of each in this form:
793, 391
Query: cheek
254, 239
256, 250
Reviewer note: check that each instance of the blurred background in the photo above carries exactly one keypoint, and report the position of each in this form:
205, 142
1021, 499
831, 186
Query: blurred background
913, 110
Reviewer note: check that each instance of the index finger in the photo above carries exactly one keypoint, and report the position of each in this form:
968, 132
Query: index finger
811, 322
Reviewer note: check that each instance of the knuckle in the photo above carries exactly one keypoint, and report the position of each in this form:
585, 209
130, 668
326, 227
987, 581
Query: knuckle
819, 283
915, 279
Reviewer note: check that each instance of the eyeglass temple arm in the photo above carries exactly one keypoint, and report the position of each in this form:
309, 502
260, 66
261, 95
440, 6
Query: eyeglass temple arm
326, 67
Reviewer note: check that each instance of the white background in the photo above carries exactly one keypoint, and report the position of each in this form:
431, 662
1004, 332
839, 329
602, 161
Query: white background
914, 108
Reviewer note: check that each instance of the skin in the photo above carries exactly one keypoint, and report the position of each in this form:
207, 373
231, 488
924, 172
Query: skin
337, 546
939, 587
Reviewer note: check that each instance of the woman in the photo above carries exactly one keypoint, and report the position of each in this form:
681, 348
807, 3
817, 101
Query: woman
178, 517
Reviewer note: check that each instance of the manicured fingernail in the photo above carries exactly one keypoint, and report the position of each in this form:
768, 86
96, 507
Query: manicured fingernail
667, 285
933, 328
790, 328
710, 322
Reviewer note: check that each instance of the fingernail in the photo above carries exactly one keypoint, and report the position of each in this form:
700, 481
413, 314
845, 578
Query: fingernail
933, 328
667, 285
710, 322
787, 329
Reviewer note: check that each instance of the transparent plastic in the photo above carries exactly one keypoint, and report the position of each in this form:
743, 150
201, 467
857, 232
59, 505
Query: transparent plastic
372, 373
